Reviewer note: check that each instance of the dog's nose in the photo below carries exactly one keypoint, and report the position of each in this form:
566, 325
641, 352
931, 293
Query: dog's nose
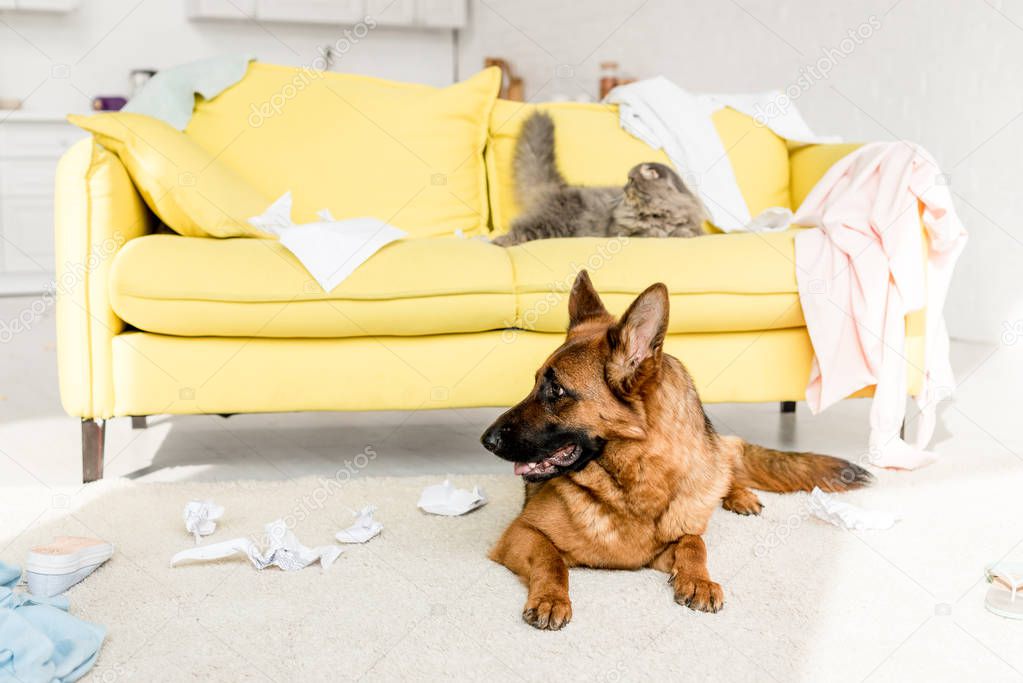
491, 439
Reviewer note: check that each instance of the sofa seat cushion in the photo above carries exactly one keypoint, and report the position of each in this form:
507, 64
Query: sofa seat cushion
717, 283
255, 288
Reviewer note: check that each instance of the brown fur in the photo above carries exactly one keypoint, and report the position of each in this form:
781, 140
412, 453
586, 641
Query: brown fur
654, 202
652, 469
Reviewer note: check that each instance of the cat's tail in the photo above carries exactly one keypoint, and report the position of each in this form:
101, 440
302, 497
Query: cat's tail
536, 169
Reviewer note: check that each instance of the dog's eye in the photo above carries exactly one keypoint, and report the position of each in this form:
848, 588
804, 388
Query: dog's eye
555, 390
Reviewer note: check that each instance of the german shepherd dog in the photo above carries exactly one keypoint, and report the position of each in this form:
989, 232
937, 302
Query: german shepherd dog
622, 467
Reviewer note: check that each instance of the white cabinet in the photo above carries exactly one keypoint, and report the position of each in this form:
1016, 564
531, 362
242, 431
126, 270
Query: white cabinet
30, 146
392, 12
39, 5
311, 11
440, 13
27, 224
432, 14
222, 9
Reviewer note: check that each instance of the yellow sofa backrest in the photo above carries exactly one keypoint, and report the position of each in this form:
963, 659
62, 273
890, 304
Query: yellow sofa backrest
409, 154
592, 149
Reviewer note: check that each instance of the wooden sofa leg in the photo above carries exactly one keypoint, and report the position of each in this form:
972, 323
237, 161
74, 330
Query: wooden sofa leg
92, 449
138, 421
788, 406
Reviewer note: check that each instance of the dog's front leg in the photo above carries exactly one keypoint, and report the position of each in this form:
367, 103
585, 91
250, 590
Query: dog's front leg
689, 576
532, 556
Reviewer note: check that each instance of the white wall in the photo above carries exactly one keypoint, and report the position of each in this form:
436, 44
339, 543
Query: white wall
945, 74
102, 40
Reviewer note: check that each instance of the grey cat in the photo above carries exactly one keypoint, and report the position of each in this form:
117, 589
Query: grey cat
654, 202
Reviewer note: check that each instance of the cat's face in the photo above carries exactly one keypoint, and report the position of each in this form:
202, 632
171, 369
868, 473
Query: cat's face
657, 203
652, 181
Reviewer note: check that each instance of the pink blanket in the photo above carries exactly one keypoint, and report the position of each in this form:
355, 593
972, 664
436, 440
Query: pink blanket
859, 274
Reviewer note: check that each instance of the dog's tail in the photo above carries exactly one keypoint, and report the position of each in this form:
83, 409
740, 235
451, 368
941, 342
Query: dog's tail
536, 169
784, 471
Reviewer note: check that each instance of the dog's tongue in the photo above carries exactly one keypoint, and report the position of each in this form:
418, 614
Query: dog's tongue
521, 468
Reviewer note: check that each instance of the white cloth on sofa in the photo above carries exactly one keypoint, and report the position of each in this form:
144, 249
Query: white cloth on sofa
668, 117
329, 249
170, 94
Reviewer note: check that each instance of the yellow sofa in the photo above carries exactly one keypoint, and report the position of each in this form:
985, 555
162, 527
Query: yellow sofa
151, 322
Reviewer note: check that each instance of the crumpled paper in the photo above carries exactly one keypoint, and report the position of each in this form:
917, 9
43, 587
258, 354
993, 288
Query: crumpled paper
827, 507
284, 550
200, 517
445, 499
329, 249
365, 527
773, 219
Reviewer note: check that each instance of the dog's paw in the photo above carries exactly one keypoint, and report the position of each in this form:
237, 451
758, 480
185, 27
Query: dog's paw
702, 595
547, 613
743, 502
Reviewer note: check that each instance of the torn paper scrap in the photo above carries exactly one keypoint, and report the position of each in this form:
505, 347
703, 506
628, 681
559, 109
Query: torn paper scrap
445, 499
277, 216
773, 219
200, 517
365, 527
283, 550
329, 249
827, 507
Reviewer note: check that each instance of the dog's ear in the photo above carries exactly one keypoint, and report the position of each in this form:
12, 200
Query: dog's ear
584, 303
636, 341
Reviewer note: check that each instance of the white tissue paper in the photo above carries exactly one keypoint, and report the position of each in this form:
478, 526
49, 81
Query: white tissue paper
283, 550
773, 219
365, 527
200, 517
445, 499
827, 507
330, 250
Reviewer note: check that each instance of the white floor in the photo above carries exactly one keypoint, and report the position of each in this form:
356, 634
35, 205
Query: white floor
980, 472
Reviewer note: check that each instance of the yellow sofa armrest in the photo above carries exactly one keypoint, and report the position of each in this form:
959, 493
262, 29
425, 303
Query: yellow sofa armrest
96, 211
809, 163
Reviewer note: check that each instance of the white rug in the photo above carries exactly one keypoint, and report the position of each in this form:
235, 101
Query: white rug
805, 601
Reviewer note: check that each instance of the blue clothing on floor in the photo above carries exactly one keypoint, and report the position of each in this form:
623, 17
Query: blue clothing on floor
39, 640
9, 576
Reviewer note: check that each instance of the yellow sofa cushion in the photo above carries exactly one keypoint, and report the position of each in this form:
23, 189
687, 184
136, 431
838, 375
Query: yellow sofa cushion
183, 184
592, 149
716, 283
247, 375
809, 163
256, 288
409, 154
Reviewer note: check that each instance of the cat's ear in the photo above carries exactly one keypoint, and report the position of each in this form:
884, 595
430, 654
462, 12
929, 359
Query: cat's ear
636, 341
584, 303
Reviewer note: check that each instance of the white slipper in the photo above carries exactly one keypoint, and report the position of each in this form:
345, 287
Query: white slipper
1005, 598
52, 569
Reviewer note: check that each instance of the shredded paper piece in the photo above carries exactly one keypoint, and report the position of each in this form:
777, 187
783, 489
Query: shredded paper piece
365, 527
200, 517
329, 249
445, 499
827, 507
283, 550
